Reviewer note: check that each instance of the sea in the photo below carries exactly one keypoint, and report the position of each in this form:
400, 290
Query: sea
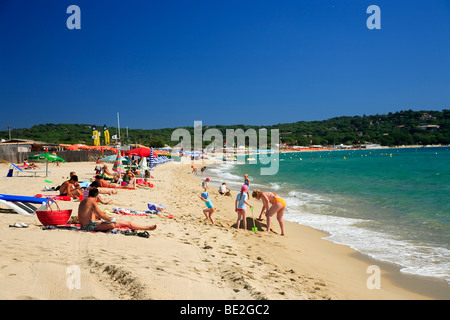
390, 204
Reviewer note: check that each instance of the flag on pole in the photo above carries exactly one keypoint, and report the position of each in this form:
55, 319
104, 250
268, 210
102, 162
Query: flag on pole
95, 136
106, 132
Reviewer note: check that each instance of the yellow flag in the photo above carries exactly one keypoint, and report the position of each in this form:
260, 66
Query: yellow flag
95, 136
106, 133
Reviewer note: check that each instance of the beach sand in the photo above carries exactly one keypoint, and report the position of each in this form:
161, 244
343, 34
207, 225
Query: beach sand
185, 258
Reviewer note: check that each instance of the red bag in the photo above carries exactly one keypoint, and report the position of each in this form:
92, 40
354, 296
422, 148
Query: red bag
52, 217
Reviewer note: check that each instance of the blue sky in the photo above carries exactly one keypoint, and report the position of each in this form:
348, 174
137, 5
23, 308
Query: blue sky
167, 63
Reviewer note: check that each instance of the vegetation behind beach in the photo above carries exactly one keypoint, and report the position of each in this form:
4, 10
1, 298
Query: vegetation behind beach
400, 128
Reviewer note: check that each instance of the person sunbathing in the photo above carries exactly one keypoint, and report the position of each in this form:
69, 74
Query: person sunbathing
107, 175
76, 185
102, 182
68, 188
96, 185
28, 166
130, 179
91, 218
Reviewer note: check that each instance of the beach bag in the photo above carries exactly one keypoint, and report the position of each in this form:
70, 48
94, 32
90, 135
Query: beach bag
50, 217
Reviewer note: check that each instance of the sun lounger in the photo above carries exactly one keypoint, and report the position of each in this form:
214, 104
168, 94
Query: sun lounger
23, 205
20, 171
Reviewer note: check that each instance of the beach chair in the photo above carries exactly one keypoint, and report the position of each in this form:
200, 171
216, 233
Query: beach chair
20, 171
23, 205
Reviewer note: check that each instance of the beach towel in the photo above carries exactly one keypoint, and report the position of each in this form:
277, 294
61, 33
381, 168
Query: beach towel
77, 227
129, 212
148, 213
54, 197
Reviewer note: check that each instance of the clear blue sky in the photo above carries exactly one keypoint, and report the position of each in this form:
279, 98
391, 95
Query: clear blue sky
167, 63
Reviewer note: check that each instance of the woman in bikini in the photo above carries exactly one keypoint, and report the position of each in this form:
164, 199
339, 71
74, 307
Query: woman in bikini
272, 204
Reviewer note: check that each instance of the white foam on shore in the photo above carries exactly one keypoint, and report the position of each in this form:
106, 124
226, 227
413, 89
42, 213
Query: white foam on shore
222, 172
412, 258
329, 214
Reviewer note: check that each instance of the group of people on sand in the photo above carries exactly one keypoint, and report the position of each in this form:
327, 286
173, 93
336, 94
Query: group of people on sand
90, 217
272, 204
115, 179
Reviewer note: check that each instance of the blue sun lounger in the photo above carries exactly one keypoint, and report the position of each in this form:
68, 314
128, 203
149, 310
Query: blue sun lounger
23, 205
31, 172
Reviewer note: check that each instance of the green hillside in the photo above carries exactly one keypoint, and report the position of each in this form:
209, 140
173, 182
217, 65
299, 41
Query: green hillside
393, 129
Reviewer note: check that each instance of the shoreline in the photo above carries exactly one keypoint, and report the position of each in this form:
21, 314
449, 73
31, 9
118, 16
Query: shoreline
185, 258
347, 230
306, 149
434, 287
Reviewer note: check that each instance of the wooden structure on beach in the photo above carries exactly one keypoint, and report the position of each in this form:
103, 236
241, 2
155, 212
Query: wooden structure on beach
18, 150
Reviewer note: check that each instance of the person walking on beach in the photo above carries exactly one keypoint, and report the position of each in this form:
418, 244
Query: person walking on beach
240, 205
91, 218
278, 205
210, 207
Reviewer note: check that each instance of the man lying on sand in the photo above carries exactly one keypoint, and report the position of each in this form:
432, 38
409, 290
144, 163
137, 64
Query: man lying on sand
103, 183
92, 218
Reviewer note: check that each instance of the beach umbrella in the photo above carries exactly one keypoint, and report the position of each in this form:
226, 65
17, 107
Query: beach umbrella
143, 164
113, 158
141, 152
110, 158
118, 167
46, 157
82, 147
151, 159
73, 148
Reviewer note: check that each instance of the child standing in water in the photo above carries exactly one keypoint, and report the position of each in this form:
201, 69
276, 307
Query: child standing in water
210, 207
246, 181
240, 205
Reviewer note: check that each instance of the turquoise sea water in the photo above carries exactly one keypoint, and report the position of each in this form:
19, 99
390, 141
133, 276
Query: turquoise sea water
391, 204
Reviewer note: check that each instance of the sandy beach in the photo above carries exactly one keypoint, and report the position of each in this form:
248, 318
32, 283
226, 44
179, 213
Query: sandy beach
185, 258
